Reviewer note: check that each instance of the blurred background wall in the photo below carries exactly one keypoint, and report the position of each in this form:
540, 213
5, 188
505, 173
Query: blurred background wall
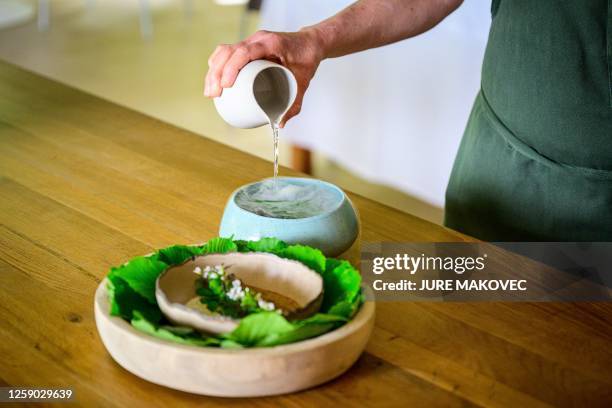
385, 123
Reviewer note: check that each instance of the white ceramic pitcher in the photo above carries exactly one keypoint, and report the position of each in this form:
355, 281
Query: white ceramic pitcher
263, 92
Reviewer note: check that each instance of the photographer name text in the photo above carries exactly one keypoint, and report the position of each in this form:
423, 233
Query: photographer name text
451, 285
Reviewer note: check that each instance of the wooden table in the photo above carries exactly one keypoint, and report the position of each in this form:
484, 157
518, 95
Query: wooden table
86, 184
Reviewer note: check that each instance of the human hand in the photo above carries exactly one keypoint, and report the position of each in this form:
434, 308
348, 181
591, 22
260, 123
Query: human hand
300, 52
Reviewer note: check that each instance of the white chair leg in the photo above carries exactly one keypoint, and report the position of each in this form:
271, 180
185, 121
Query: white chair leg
146, 21
44, 15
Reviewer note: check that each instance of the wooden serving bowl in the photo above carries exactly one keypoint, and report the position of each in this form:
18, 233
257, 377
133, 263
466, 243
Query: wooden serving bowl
233, 372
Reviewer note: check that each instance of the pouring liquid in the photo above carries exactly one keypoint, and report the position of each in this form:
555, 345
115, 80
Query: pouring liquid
275, 143
272, 94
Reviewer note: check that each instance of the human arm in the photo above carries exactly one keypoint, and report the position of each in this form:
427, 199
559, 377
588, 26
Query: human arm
363, 25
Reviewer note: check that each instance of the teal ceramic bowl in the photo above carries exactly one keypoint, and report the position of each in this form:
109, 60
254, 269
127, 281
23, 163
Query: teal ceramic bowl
333, 232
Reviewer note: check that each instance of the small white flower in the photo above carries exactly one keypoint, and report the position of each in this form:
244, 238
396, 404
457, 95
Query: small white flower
212, 275
235, 293
269, 306
197, 270
236, 283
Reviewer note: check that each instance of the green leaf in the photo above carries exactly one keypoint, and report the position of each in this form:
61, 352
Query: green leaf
272, 245
299, 333
311, 257
331, 264
178, 330
219, 246
140, 274
141, 323
249, 302
125, 302
323, 318
305, 329
230, 344
342, 283
345, 308
242, 245
259, 328
114, 307
266, 329
177, 254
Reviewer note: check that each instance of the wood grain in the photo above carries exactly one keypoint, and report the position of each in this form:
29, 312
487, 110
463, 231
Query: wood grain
86, 184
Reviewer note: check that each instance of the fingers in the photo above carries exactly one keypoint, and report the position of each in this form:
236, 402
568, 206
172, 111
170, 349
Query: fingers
241, 56
227, 60
216, 64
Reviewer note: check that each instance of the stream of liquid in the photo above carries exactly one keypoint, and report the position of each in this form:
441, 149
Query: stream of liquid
272, 94
274, 126
280, 198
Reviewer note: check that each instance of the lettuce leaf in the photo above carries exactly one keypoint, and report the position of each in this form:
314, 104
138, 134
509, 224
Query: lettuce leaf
231, 344
242, 245
304, 329
259, 328
219, 246
342, 285
270, 329
125, 302
140, 275
272, 245
311, 257
190, 337
346, 308
177, 254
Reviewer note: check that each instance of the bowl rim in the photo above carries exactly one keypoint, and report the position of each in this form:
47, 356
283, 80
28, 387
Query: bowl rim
365, 313
309, 180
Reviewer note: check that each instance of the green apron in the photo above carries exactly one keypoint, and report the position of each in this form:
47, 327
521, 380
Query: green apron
535, 162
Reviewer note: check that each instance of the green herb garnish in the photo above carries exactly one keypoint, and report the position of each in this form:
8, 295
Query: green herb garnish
224, 294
